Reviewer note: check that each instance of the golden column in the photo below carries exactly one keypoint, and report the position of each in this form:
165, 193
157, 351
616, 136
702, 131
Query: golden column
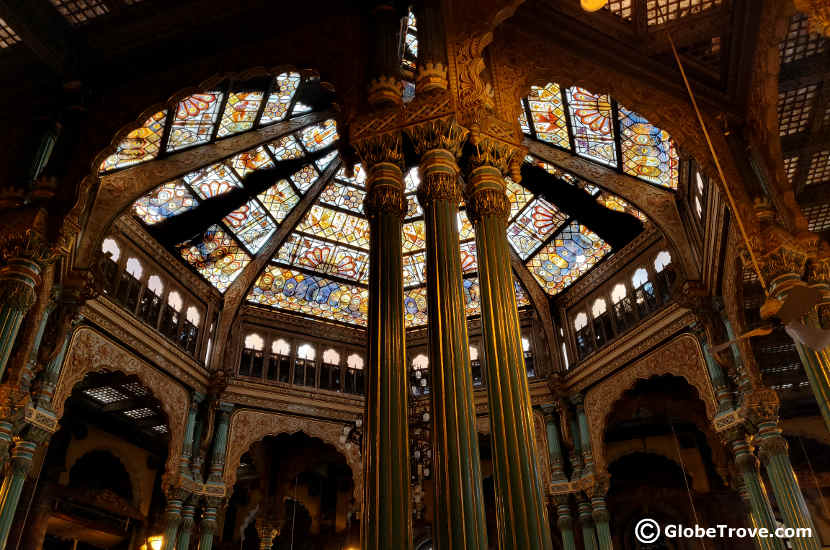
386, 515
521, 512
459, 502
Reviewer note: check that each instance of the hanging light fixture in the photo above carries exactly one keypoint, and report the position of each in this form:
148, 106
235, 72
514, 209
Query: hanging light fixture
592, 5
156, 542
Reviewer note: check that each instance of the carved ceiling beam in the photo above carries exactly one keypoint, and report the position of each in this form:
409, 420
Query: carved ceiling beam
42, 29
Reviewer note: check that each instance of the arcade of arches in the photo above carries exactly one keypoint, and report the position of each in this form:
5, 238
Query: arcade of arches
451, 274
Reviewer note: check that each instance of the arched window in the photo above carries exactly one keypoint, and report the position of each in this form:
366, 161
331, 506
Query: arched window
355, 361
662, 260
280, 347
174, 300
618, 292
305, 371
155, 285
331, 357
134, 268
599, 307
530, 364
419, 378
640, 277
420, 362
306, 351
580, 321
111, 247
354, 376
194, 316
254, 341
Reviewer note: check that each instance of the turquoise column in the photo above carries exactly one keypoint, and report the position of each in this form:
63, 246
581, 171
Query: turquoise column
760, 509
220, 443
776, 459
207, 527
554, 446
18, 279
584, 434
21, 459
187, 444
817, 367
743, 381
51, 373
601, 521
565, 522
6, 435
186, 528
31, 363
718, 380
589, 538
575, 454
520, 506
172, 519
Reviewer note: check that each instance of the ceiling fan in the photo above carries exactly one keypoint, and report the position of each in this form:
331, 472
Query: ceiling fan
788, 312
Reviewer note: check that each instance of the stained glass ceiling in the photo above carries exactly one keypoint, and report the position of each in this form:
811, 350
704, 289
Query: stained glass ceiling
320, 268
598, 128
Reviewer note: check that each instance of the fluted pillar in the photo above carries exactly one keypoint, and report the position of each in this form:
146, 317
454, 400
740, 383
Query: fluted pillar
172, 519
189, 429
586, 521
21, 462
220, 443
565, 522
520, 506
186, 526
775, 456
18, 279
760, 509
557, 472
207, 527
386, 514
601, 521
584, 434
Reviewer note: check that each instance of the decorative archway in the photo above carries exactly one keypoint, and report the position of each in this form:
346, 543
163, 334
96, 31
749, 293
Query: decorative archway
680, 357
90, 351
248, 426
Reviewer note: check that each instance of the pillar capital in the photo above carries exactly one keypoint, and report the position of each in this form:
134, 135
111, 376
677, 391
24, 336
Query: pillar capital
770, 442
25, 236
430, 77
761, 405
385, 90
382, 156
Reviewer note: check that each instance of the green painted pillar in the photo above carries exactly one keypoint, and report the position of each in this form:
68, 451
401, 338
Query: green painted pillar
18, 279
776, 458
186, 527
172, 519
459, 499
584, 434
520, 507
220, 443
817, 367
586, 521
6, 436
575, 454
565, 521
207, 527
386, 506
554, 446
718, 380
189, 428
760, 509
601, 521
21, 462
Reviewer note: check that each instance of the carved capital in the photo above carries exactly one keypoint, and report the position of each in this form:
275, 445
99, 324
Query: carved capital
771, 446
761, 405
439, 177
386, 90
430, 77
485, 194
17, 294
442, 133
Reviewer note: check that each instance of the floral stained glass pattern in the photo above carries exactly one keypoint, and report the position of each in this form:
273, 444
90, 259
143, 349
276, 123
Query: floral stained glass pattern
517, 195
311, 295
533, 226
414, 236
240, 113
279, 199
469, 258
415, 307
358, 179
165, 201
613, 202
216, 257
414, 269
305, 177
413, 209
465, 228
250, 161
593, 126
280, 100
212, 181
472, 296
325, 258
548, 114
320, 135
344, 196
571, 253
140, 145
336, 226
195, 120
647, 151
251, 225
286, 148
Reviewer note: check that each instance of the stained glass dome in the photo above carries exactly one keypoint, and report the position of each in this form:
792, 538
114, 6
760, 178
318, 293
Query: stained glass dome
219, 217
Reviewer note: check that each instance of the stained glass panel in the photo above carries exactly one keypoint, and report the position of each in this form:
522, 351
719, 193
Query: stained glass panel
216, 257
469, 259
359, 177
279, 199
140, 145
523, 120
411, 181
249, 161
278, 102
521, 296
251, 225
212, 181
325, 258
413, 236
165, 201
323, 162
517, 195
614, 202
592, 123
336, 226
555, 170
559, 263
536, 222
305, 177
344, 196
548, 114
240, 112
647, 151
413, 209
465, 228
311, 295
415, 307
285, 148
194, 121
472, 296
414, 269
320, 135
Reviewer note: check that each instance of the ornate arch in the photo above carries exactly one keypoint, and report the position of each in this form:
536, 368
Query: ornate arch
249, 426
680, 357
90, 351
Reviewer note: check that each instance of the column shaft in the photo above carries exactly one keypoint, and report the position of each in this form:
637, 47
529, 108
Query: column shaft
22, 455
601, 519
186, 529
584, 435
817, 366
207, 528
761, 511
554, 448
18, 279
521, 513
565, 522
589, 539
173, 517
386, 516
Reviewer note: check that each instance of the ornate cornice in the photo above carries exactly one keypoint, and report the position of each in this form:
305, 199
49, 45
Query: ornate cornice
280, 397
289, 322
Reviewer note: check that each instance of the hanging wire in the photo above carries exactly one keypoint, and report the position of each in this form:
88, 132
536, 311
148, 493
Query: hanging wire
294, 514
715, 157
821, 498
685, 478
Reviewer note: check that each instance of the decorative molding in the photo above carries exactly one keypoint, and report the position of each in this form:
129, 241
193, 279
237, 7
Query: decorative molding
249, 426
286, 398
90, 351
